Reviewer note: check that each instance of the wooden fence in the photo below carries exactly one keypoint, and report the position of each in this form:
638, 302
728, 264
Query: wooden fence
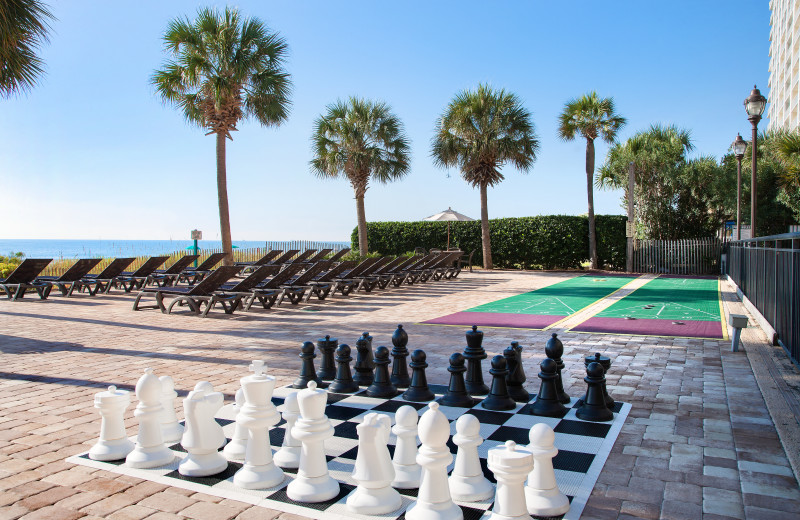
686, 256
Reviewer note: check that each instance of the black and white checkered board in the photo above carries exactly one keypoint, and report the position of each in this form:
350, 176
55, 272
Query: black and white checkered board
583, 449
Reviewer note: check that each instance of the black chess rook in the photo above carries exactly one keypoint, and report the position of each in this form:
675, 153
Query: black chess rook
343, 382
554, 349
498, 398
456, 394
400, 377
547, 403
594, 406
474, 354
382, 384
418, 391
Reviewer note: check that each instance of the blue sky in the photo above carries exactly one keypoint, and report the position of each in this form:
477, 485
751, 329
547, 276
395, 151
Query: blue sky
92, 153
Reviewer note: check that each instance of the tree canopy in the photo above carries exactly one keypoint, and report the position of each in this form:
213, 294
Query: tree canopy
24, 28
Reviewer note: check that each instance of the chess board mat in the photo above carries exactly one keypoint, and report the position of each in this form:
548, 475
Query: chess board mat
541, 308
673, 306
583, 449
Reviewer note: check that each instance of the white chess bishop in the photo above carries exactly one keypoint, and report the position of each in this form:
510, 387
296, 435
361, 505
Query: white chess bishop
510, 466
236, 449
288, 456
150, 451
541, 492
113, 443
171, 429
373, 470
407, 472
467, 482
201, 436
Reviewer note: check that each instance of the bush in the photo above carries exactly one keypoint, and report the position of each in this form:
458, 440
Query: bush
9, 263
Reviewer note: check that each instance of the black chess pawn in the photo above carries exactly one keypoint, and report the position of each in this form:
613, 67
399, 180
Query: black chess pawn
343, 382
456, 394
382, 384
605, 362
594, 406
327, 366
307, 372
498, 398
400, 377
364, 363
547, 403
418, 391
474, 354
516, 377
554, 349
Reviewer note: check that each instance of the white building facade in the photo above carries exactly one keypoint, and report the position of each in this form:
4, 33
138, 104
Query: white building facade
784, 65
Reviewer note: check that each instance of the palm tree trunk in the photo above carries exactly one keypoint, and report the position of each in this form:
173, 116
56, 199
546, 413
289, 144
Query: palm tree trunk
362, 225
222, 198
590, 194
485, 240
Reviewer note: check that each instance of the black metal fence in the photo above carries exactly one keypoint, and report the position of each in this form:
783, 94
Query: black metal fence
685, 256
767, 270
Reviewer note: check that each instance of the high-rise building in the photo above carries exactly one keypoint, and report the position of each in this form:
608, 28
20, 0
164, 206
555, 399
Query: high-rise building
784, 65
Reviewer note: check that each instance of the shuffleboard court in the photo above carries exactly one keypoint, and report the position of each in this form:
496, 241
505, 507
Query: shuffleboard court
540, 308
665, 306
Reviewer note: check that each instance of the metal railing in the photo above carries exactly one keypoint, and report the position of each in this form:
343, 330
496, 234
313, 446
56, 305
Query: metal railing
685, 256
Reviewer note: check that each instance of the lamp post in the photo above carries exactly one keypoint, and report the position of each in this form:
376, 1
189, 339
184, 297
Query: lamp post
739, 147
754, 105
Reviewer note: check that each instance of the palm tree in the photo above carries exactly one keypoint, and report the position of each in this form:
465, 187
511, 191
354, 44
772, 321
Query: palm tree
224, 68
479, 131
788, 151
23, 29
590, 117
360, 139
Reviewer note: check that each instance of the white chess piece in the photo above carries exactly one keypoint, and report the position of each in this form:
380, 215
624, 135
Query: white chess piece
510, 467
288, 456
171, 429
407, 472
258, 416
236, 449
313, 483
373, 470
150, 451
200, 438
208, 388
113, 443
467, 482
541, 492
433, 500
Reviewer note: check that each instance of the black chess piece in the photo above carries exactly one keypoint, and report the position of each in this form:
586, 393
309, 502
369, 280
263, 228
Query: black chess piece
547, 403
382, 386
456, 394
364, 363
498, 398
418, 391
474, 354
327, 367
516, 377
605, 362
554, 349
307, 372
368, 339
400, 377
343, 382
594, 407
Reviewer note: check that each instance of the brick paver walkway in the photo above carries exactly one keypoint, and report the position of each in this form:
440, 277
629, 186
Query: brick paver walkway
699, 442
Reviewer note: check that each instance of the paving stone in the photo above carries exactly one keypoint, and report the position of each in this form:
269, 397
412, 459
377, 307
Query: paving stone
167, 502
210, 511
51, 512
132, 512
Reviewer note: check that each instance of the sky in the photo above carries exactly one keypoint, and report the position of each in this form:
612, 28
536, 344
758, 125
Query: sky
93, 153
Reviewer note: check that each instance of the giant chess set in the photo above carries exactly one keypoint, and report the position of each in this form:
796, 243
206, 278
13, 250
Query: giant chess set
377, 443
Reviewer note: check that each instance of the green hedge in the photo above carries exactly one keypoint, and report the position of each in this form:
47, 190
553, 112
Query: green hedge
544, 242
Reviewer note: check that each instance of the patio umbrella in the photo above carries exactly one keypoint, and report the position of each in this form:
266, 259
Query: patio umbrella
448, 215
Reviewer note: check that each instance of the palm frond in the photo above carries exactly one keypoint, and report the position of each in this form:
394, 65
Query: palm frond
24, 28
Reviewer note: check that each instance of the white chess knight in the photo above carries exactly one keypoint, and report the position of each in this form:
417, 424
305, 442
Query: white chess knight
288, 456
510, 466
171, 429
373, 470
258, 416
208, 388
541, 492
407, 472
433, 500
201, 436
313, 483
467, 482
113, 443
150, 451
236, 449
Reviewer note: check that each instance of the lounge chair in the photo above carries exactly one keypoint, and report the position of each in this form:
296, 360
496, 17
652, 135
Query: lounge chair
414, 271
397, 274
339, 254
104, 280
285, 257
264, 260
447, 266
303, 257
295, 288
196, 296
436, 268
319, 257
192, 275
369, 279
267, 293
383, 276
464, 261
167, 277
21, 279
349, 280
137, 278
323, 284
71, 279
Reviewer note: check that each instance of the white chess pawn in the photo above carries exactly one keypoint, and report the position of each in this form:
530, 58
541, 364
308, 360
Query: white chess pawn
433, 500
313, 483
407, 472
288, 456
467, 482
150, 451
542, 493
201, 439
113, 443
258, 416
374, 471
171, 429
236, 449
510, 467
207, 388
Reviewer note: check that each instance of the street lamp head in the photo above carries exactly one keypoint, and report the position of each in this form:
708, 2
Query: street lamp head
755, 104
739, 146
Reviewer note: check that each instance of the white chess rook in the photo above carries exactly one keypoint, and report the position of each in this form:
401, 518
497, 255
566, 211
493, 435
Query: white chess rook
171, 429
542, 493
373, 470
201, 438
510, 466
467, 482
113, 443
258, 416
313, 483
433, 500
237, 448
407, 472
208, 388
288, 456
150, 451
